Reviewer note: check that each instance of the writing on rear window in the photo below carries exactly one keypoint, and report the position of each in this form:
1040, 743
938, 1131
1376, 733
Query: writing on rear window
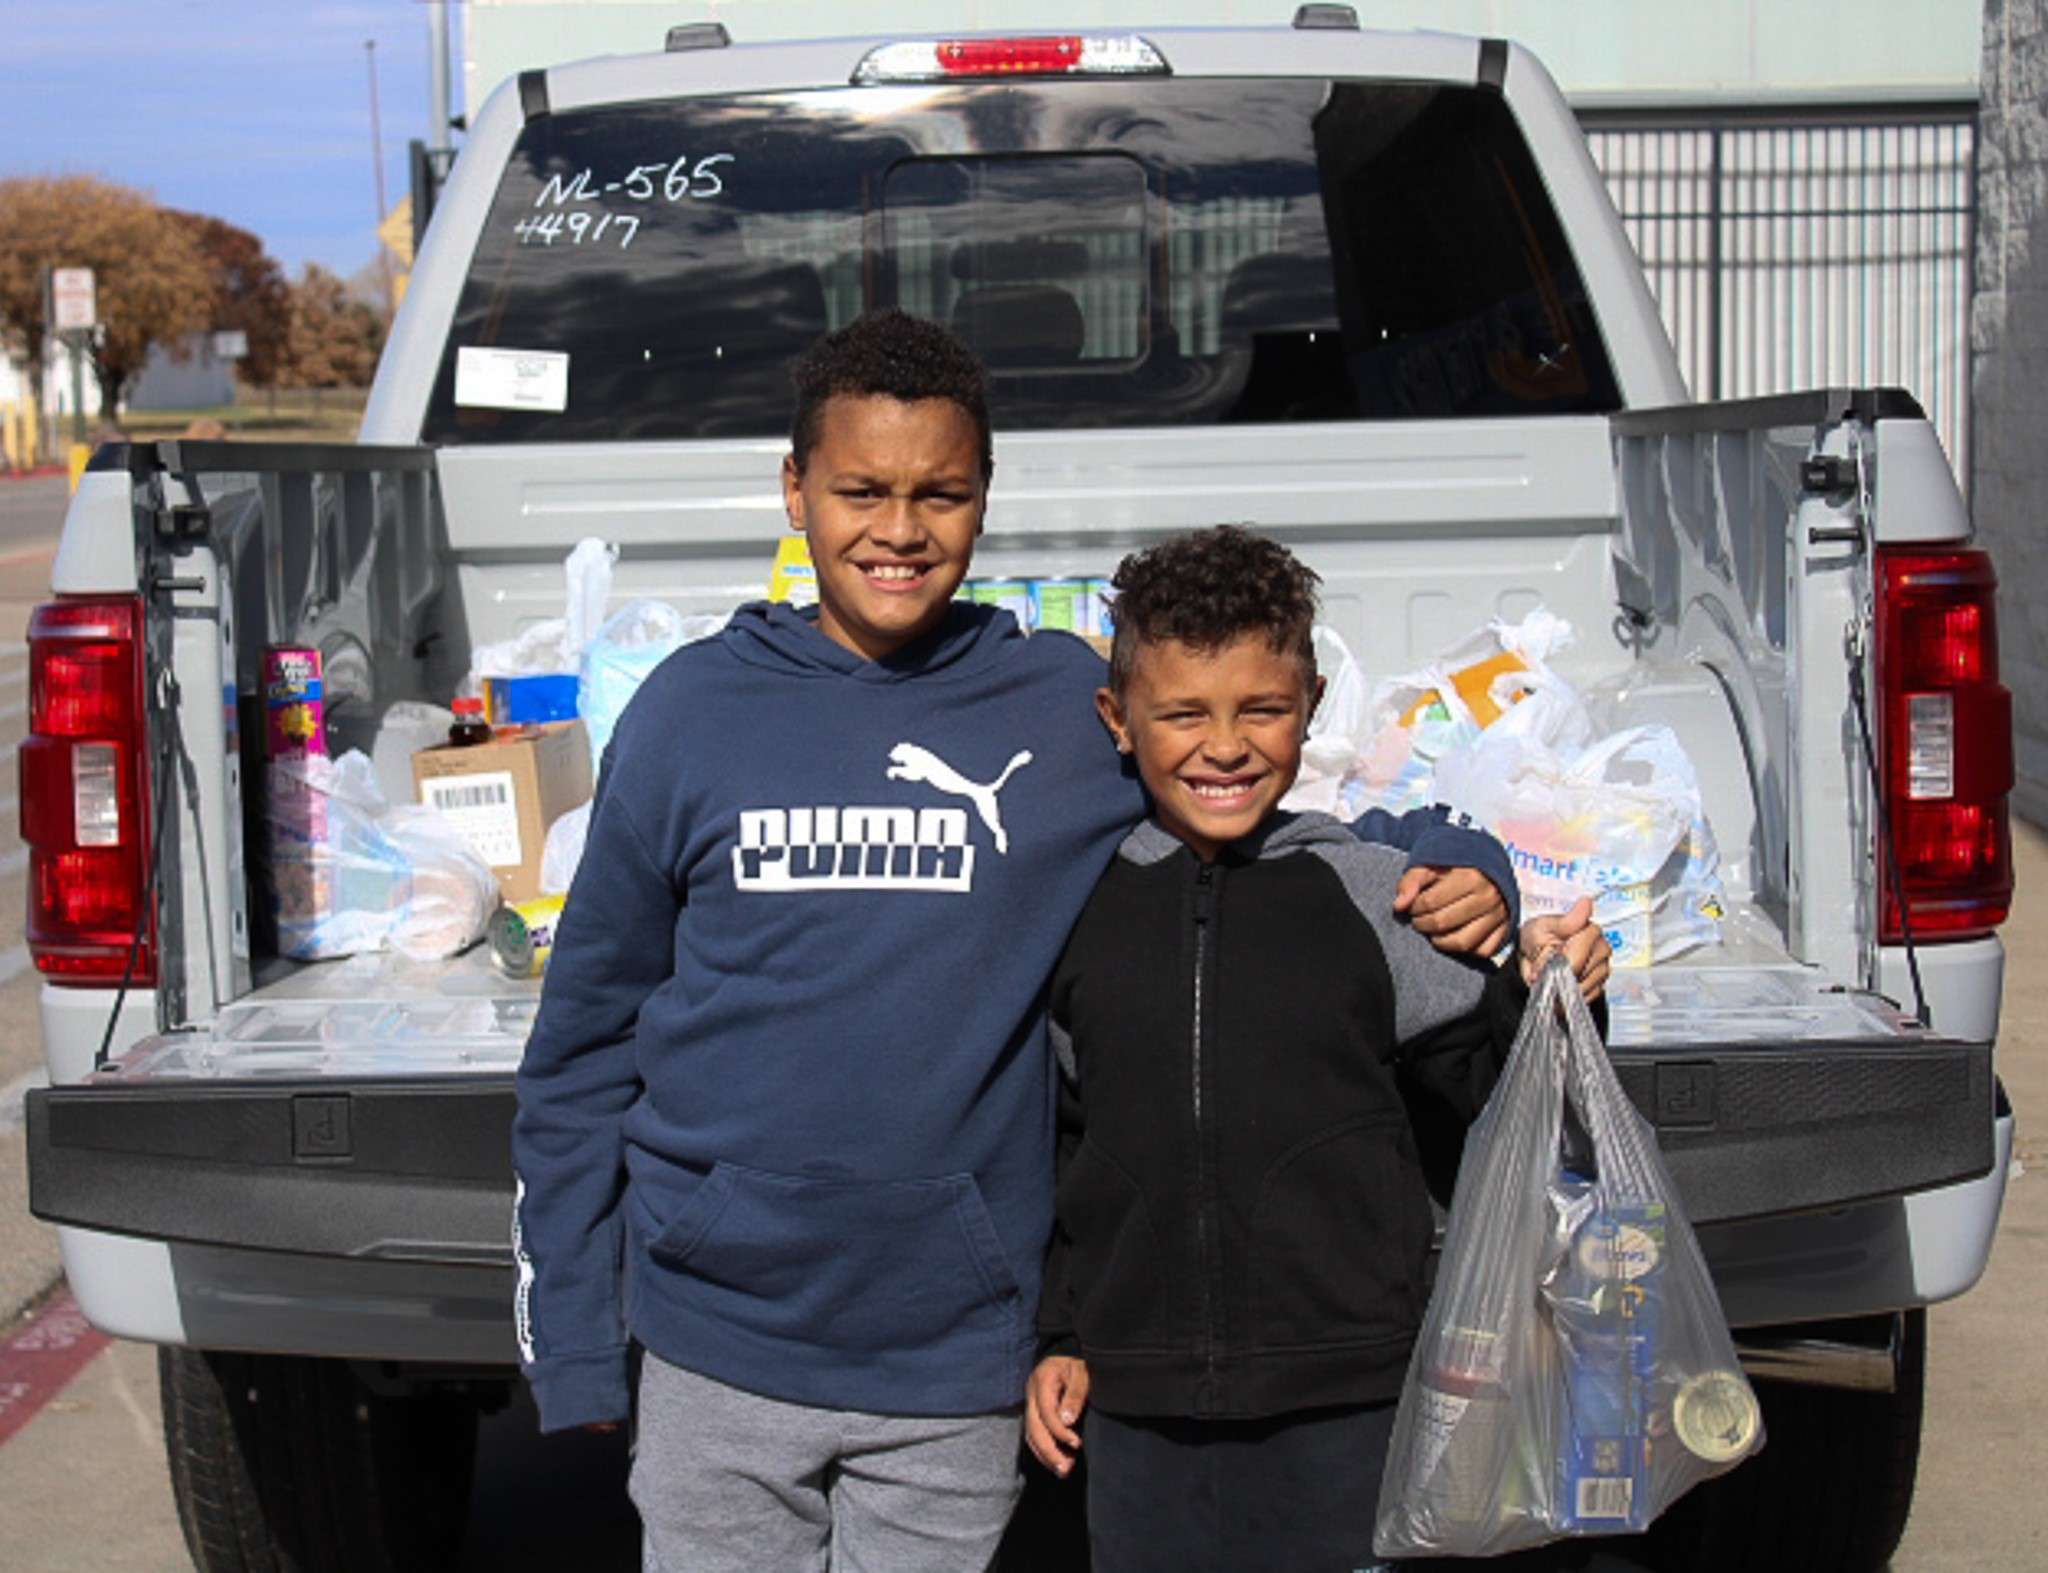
1181, 252
575, 209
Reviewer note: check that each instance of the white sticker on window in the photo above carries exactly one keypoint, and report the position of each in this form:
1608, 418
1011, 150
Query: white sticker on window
484, 808
511, 379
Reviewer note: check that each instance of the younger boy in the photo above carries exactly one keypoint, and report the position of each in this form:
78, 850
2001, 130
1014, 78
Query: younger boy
785, 1117
1237, 1273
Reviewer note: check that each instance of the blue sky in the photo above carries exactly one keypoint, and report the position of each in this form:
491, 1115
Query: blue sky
256, 111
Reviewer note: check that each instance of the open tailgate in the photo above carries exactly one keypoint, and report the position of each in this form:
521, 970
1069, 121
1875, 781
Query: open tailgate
379, 1128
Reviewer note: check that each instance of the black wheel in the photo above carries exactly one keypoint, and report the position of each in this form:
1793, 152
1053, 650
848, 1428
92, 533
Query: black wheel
1829, 1493
288, 1464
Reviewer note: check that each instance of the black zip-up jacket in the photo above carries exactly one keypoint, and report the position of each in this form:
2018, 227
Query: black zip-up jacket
1243, 1222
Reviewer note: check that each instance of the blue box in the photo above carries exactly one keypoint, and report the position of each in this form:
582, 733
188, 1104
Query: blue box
1608, 1311
518, 701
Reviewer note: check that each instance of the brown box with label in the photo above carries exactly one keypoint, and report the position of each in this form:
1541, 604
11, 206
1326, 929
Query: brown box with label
503, 795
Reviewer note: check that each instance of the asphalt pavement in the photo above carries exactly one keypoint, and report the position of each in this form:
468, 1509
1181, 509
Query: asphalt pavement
83, 1483
31, 511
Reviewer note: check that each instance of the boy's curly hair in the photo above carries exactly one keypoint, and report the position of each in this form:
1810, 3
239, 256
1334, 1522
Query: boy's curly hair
888, 352
1209, 588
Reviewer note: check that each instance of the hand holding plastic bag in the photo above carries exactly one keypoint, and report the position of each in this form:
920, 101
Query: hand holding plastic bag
1574, 1374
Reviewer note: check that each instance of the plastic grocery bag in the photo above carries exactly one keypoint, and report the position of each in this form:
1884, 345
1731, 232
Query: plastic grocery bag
562, 853
1497, 679
1574, 1375
1335, 731
1621, 821
406, 728
554, 644
350, 872
633, 641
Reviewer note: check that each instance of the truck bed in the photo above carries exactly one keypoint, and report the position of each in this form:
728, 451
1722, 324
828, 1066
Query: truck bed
383, 1016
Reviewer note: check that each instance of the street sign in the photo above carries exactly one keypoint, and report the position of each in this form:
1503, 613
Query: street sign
230, 344
72, 307
396, 231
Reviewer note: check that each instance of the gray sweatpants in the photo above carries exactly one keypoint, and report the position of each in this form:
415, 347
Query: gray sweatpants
729, 1482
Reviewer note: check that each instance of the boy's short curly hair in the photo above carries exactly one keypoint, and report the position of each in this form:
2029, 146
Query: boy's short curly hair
888, 352
1209, 588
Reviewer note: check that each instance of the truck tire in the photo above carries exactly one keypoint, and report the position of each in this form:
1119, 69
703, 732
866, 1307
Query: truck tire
288, 1464
1829, 1493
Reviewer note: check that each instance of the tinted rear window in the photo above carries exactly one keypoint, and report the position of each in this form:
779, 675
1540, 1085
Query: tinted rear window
1179, 252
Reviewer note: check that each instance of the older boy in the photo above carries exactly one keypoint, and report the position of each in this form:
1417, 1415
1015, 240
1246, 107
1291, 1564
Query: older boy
785, 1118
1237, 1275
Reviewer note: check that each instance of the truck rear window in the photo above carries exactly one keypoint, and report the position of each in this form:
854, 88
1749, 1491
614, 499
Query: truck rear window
1178, 252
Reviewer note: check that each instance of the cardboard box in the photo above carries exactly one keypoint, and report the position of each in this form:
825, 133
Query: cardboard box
504, 794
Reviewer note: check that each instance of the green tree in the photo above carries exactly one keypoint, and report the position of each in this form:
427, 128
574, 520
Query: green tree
151, 281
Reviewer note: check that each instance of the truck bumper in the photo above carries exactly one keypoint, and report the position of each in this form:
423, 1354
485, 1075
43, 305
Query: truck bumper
372, 1219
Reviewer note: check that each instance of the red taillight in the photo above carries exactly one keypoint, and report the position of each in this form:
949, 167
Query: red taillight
948, 59
1944, 728
1008, 56
84, 793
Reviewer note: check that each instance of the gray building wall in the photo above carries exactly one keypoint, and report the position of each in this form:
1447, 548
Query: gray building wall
2009, 367
198, 382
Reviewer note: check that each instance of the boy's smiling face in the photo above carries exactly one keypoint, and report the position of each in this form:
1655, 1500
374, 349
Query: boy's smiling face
1217, 733
891, 498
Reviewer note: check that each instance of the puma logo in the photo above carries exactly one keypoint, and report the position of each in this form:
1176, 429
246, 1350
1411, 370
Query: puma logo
908, 762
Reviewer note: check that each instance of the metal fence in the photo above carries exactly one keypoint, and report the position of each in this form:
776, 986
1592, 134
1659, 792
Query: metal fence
1787, 252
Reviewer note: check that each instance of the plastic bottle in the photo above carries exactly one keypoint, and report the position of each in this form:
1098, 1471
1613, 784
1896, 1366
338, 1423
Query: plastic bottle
470, 727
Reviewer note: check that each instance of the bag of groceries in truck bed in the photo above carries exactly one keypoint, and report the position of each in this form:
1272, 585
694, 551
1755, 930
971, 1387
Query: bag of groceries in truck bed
1620, 820
1491, 729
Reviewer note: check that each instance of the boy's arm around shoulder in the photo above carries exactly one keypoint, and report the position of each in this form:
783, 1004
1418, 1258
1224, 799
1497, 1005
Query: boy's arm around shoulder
1437, 839
576, 1081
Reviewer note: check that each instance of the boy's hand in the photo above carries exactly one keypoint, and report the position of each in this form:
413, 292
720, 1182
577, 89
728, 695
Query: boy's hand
1584, 945
1455, 909
1053, 1401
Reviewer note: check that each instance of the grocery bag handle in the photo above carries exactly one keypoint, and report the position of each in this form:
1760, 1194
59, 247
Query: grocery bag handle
1623, 1157
1593, 762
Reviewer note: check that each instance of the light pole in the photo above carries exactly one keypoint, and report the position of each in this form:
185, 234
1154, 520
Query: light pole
377, 162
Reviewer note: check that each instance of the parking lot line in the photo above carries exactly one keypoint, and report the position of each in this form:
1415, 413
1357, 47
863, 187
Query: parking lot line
13, 1094
40, 1359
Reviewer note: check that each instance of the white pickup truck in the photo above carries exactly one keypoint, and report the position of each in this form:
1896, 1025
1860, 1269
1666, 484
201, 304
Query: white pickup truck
1362, 290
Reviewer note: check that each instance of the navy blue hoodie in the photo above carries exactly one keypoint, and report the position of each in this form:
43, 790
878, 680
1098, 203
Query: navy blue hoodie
786, 1113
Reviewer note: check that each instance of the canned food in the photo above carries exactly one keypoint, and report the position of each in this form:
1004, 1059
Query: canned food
1012, 595
522, 935
1716, 1416
1067, 604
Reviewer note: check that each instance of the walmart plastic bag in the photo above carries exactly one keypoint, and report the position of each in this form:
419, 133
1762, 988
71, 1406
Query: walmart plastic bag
633, 641
350, 872
1574, 1375
1621, 821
